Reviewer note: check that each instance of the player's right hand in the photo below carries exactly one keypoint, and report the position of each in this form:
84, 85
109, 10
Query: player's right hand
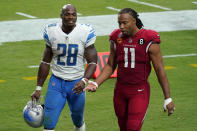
35, 95
79, 86
92, 86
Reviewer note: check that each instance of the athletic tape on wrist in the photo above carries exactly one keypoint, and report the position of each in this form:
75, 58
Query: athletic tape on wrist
38, 88
166, 102
94, 83
85, 80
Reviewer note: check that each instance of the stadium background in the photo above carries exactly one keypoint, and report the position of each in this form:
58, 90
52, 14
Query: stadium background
18, 81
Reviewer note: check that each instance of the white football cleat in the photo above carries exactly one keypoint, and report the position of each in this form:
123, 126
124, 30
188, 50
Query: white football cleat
82, 128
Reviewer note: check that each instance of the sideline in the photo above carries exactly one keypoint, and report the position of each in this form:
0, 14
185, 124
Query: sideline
20, 30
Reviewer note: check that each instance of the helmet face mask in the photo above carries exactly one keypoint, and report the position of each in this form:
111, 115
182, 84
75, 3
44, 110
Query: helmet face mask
33, 114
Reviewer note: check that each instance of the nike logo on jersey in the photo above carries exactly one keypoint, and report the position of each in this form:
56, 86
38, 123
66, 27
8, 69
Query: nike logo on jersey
140, 90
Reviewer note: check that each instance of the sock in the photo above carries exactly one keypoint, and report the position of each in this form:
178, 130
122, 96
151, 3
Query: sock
82, 128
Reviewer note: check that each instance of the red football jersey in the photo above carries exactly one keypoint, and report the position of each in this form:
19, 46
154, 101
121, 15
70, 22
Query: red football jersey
133, 57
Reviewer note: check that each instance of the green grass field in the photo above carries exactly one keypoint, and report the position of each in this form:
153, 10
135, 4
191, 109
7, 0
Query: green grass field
15, 57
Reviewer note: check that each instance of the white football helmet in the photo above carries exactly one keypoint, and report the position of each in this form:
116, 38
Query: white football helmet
33, 114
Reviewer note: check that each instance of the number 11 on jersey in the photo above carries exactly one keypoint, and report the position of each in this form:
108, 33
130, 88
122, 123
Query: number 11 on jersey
126, 53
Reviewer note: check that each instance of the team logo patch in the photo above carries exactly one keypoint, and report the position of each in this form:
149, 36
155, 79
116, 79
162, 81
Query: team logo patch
119, 40
141, 41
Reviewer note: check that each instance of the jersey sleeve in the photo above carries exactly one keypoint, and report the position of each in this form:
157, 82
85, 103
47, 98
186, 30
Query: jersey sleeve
155, 37
91, 37
46, 37
112, 36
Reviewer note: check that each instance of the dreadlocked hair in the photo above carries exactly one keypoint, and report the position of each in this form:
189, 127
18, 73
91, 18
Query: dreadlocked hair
134, 14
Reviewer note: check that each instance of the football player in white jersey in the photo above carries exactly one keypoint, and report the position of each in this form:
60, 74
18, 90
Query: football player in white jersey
68, 45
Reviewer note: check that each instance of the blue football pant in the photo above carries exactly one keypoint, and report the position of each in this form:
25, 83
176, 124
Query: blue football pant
59, 91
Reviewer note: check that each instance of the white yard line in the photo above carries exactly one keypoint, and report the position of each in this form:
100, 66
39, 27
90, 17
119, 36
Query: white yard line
195, 2
149, 4
33, 66
26, 15
167, 56
179, 55
112, 8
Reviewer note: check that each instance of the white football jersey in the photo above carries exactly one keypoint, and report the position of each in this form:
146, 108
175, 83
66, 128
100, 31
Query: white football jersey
68, 49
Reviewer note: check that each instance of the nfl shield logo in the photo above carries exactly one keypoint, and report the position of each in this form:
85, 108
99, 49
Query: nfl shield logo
130, 40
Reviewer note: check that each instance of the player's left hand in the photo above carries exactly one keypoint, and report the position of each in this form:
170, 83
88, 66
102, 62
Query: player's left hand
170, 107
35, 95
79, 86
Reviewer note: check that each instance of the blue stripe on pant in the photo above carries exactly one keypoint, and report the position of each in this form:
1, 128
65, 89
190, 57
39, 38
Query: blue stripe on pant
59, 91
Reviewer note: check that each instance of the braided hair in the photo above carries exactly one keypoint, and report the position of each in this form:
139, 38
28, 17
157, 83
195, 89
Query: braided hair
134, 14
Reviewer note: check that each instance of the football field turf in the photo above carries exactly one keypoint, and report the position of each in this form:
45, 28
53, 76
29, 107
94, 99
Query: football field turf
17, 81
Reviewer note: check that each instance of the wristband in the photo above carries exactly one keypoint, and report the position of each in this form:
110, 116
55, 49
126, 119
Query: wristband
166, 102
94, 83
92, 63
85, 80
45, 62
38, 88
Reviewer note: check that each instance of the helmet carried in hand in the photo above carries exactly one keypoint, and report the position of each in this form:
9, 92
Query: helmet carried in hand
33, 114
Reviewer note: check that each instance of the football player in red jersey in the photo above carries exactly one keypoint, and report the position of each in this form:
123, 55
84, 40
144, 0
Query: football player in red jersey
133, 48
